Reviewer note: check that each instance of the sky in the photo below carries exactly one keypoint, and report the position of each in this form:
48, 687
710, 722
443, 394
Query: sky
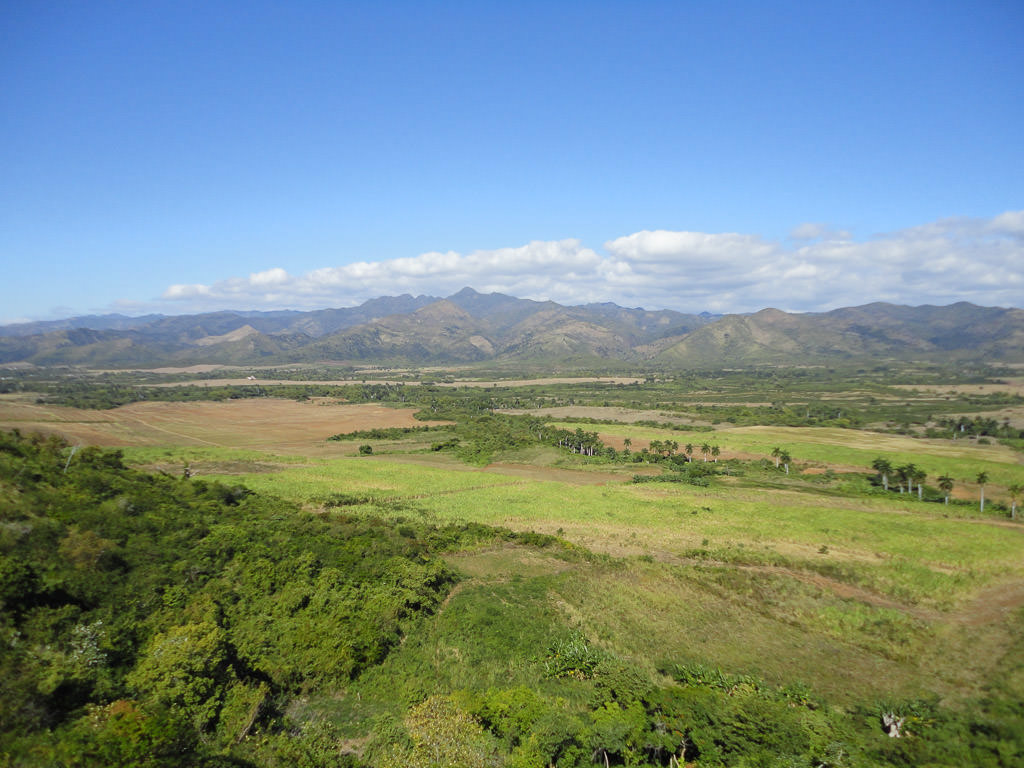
178, 156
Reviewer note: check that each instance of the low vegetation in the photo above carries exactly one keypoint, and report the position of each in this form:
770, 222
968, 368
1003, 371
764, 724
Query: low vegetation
534, 575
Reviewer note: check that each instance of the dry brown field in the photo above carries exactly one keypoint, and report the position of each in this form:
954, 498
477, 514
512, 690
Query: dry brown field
1013, 385
267, 424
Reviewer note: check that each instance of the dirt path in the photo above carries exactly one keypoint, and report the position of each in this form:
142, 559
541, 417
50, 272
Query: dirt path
157, 428
847, 591
992, 604
453, 491
554, 474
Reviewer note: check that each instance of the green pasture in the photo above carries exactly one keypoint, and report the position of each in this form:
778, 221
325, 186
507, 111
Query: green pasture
159, 456
960, 459
906, 550
374, 478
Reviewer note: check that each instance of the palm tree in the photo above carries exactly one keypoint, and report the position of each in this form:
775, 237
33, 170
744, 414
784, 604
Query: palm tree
689, 451
705, 449
884, 468
905, 473
627, 442
1015, 491
776, 452
946, 484
981, 479
785, 458
919, 476
715, 453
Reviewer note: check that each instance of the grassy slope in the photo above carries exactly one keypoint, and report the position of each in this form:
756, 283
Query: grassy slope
732, 575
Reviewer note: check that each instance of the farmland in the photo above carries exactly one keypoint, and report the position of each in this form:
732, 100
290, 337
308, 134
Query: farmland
811, 575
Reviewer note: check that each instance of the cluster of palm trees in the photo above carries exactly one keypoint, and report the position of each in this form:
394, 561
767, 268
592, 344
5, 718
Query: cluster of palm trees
667, 448
586, 443
906, 475
909, 474
781, 456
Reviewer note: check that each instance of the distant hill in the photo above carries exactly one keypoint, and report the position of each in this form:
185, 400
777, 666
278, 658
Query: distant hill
472, 327
956, 332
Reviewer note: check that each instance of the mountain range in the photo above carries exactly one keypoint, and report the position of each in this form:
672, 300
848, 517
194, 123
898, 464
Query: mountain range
470, 327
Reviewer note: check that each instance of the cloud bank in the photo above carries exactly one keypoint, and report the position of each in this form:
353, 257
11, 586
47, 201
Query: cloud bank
817, 268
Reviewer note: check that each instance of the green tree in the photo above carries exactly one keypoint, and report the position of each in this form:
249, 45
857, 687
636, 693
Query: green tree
689, 451
715, 453
919, 477
705, 449
122, 734
785, 458
777, 455
905, 473
946, 485
618, 731
884, 469
1015, 490
184, 670
981, 479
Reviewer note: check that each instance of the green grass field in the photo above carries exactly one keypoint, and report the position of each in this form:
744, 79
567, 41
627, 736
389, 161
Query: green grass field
822, 446
906, 550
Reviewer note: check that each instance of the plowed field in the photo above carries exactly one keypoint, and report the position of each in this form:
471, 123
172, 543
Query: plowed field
279, 426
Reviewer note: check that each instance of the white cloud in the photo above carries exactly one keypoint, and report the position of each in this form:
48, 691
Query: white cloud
186, 291
978, 260
276, 276
815, 231
693, 248
1011, 222
808, 231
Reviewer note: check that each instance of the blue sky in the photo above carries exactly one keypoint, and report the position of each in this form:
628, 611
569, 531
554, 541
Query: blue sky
177, 157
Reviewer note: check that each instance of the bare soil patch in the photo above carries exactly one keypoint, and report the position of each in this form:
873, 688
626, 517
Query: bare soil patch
993, 604
280, 426
1014, 385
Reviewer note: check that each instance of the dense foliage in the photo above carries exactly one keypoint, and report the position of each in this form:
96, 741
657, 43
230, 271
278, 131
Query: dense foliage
149, 619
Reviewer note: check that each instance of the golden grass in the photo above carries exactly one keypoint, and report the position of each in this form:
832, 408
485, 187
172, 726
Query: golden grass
264, 424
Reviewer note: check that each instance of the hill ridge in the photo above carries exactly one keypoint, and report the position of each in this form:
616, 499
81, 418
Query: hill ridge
472, 327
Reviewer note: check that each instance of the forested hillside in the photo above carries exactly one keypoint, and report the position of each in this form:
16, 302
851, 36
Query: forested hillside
156, 620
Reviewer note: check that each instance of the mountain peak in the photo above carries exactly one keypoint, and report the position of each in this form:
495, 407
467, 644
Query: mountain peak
443, 309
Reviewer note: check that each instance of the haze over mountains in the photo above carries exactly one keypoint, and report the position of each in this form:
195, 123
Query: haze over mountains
470, 327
